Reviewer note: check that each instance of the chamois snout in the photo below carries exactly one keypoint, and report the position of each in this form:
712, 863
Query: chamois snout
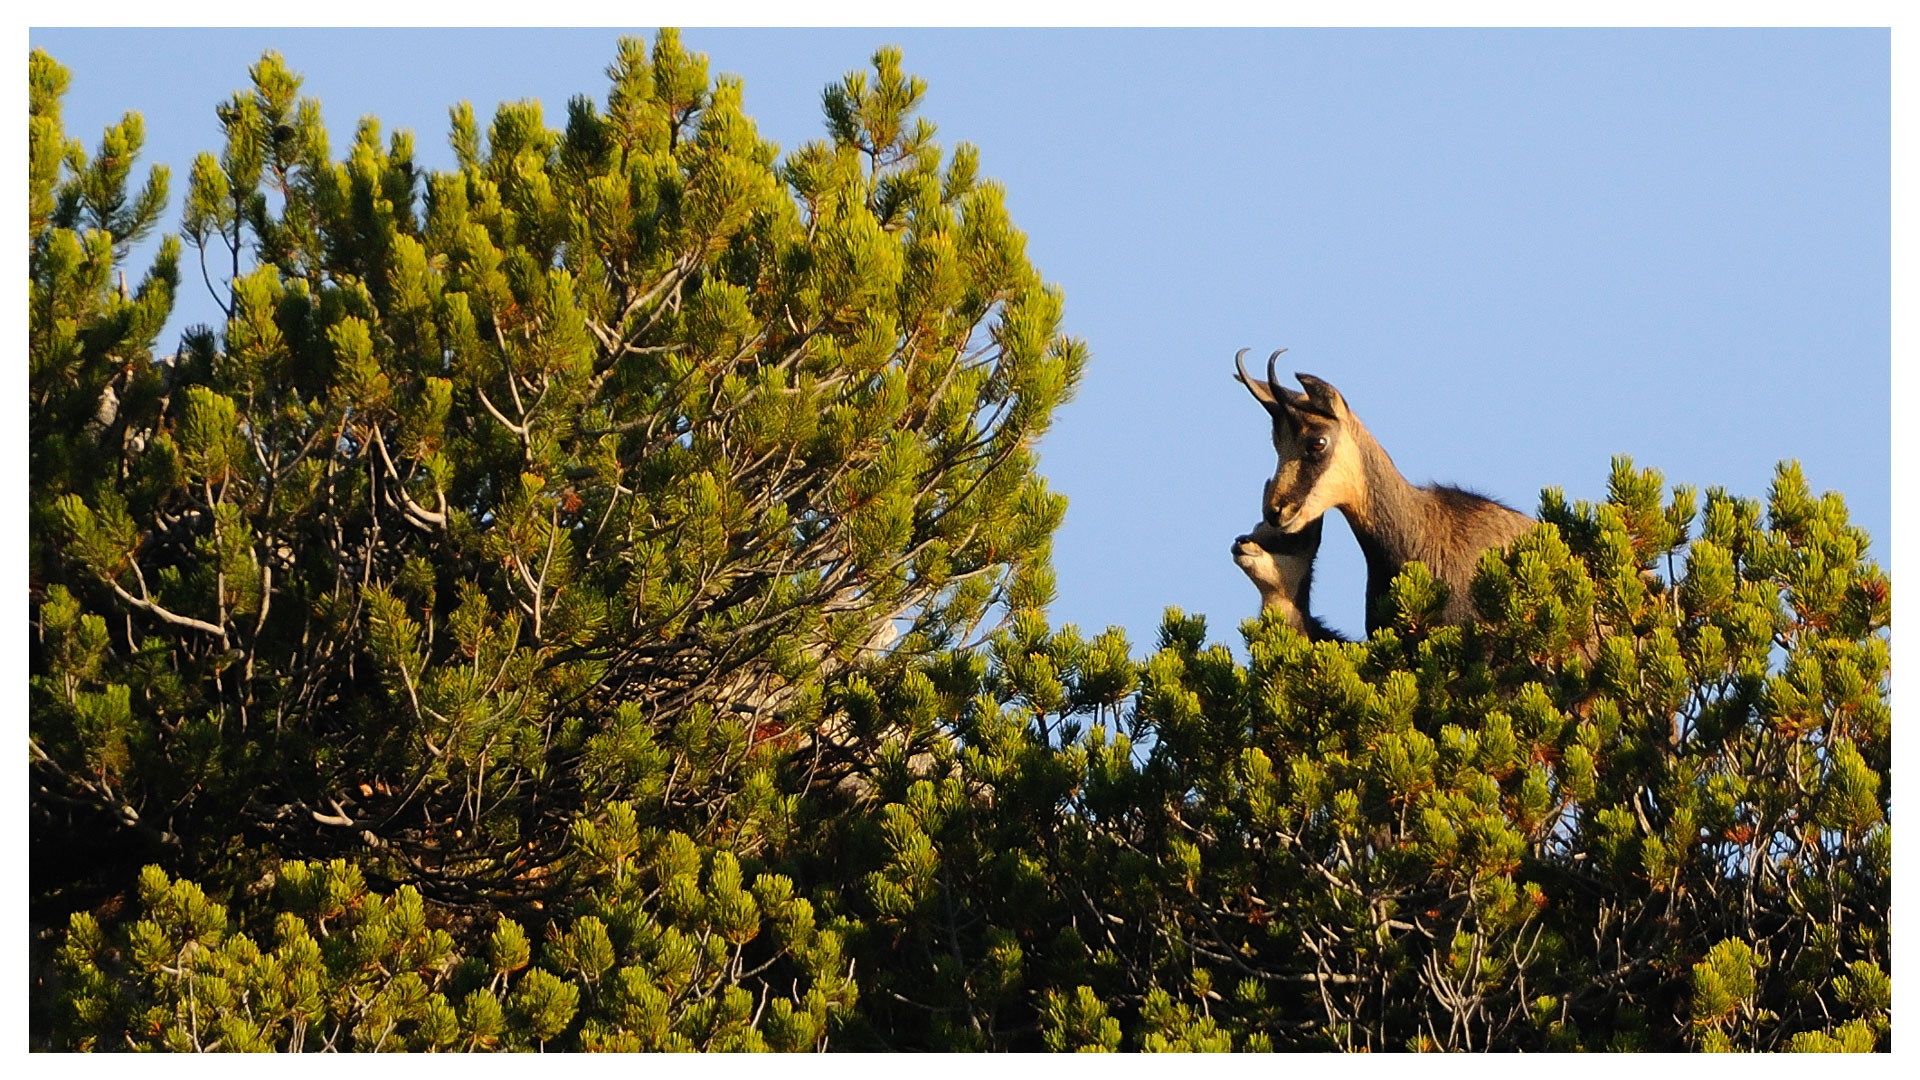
1266, 540
1282, 514
1272, 512
1245, 550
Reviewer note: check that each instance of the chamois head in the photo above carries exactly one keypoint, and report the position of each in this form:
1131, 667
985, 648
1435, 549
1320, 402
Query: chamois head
1280, 564
1314, 436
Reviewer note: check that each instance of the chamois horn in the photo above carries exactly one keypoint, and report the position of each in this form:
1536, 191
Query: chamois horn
1242, 369
1261, 393
1270, 393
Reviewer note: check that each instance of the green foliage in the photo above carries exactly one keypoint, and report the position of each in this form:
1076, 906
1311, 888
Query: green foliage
546, 616
571, 475
353, 971
1618, 811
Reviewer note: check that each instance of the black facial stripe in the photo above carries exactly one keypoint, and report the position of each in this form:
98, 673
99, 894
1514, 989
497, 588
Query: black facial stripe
1307, 476
1297, 544
1302, 544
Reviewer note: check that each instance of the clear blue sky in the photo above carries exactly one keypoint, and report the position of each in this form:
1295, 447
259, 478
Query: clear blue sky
1516, 253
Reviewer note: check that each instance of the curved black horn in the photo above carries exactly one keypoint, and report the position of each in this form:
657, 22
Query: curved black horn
1272, 379
1270, 393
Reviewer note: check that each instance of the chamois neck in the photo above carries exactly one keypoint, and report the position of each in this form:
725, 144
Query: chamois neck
1386, 516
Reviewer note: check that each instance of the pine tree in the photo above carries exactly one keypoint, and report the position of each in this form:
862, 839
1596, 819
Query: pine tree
566, 476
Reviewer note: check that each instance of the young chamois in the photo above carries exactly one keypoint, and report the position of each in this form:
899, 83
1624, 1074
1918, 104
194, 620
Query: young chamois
1328, 461
1280, 565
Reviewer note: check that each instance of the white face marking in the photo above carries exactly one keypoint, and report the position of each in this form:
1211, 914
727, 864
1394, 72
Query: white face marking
1339, 478
1266, 570
1276, 576
1340, 485
1271, 576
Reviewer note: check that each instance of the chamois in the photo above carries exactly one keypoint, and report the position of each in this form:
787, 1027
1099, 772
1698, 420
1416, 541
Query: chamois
1280, 565
1329, 461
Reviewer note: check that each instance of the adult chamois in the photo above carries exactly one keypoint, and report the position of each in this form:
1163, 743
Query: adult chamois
1280, 565
1328, 461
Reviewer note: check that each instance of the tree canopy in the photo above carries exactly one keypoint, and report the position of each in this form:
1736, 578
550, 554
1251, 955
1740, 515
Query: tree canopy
594, 598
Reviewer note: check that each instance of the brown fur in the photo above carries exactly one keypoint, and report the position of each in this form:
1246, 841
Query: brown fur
1396, 522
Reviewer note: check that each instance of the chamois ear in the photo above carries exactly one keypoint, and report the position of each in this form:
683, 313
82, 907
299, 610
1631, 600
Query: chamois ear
1321, 397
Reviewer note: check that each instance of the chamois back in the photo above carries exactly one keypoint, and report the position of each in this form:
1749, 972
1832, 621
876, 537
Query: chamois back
1459, 526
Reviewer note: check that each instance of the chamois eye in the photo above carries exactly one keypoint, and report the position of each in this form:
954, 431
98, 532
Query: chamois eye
1317, 444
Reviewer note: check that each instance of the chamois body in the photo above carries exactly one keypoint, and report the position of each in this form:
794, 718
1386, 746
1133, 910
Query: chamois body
1280, 565
1445, 528
1329, 461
